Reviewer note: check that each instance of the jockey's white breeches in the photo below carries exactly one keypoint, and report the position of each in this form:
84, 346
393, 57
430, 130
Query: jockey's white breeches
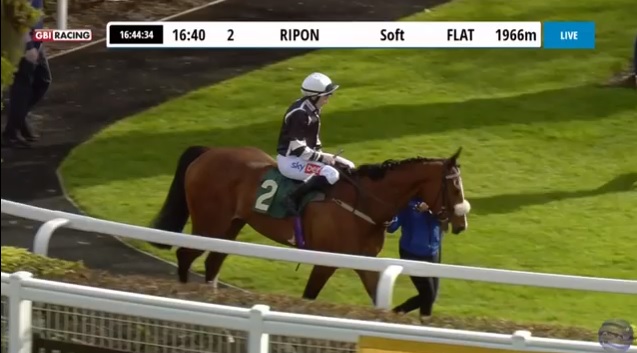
299, 169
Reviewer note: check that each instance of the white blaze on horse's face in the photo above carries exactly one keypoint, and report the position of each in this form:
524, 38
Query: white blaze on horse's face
463, 208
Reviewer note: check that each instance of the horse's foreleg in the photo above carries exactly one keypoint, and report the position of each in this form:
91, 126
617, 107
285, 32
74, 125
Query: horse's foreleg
319, 276
370, 281
185, 258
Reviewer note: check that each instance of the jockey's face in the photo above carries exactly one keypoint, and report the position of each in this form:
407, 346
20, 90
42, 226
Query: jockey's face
322, 100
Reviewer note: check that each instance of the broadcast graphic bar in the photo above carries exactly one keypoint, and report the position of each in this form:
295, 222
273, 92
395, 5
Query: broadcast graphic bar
253, 34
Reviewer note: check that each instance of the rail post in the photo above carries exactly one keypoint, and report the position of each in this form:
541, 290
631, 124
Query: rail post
62, 13
385, 289
43, 236
258, 340
20, 315
519, 339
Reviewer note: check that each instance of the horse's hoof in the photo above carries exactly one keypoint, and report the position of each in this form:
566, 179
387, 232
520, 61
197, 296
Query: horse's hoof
214, 284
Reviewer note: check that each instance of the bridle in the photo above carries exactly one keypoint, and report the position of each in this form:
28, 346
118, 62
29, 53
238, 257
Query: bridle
442, 215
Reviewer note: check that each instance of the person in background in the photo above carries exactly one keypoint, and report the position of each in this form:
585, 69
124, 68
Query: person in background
31, 81
635, 62
420, 241
626, 79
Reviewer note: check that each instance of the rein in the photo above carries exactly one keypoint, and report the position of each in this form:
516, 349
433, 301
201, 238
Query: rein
363, 191
359, 190
442, 215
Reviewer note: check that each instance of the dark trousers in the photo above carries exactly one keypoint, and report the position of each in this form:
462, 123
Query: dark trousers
427, 288
30, 83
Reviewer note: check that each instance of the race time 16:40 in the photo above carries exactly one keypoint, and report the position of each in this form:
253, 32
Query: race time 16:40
196, 35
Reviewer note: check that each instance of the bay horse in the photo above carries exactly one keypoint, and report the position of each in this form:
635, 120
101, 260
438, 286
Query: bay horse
224, 188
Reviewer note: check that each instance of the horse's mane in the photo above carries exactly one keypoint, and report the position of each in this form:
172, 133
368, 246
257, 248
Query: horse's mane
377, 171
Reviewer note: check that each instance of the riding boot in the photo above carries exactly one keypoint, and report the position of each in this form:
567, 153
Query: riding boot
315, 182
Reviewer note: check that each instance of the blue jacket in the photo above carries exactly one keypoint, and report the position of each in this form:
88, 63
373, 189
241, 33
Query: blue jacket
421, 233
38, 5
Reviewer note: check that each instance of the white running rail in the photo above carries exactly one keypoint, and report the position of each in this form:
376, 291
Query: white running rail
389, 268
259, 322
62, 14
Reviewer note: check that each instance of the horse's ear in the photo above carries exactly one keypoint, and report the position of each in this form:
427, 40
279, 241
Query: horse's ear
454, 157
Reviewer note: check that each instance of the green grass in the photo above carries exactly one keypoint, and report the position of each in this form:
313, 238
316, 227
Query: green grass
549, 161
19, 259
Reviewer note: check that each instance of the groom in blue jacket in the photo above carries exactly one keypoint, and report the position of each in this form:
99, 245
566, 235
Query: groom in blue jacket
420, 241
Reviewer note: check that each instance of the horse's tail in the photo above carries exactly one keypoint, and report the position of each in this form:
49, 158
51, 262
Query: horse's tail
174, 213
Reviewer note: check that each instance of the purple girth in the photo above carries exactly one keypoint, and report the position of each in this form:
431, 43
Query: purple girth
299, 238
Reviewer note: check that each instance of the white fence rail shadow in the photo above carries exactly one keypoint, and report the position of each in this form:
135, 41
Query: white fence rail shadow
390, 268
258, 323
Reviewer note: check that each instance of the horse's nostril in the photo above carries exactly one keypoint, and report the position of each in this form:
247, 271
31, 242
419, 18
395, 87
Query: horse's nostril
458, 230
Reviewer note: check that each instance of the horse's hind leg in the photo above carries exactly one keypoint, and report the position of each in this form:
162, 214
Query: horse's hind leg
215, 259
370, 281
319, 276
185, 258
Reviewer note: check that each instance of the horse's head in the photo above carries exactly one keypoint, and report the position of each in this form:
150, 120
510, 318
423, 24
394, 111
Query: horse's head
444, 194
435, 181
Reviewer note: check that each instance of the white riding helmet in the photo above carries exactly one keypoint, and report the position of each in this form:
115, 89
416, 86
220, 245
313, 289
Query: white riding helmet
317, 84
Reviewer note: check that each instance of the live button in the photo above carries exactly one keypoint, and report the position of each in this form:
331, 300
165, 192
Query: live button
569, 35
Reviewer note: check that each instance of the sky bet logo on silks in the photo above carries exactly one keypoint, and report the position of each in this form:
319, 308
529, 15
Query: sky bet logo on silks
298, 166
616, 335
311, 168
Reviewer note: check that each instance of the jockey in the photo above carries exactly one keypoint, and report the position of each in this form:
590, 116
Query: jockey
299, 155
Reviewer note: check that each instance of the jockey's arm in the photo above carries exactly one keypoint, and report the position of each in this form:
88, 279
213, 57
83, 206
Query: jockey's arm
297, 123
342, 160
